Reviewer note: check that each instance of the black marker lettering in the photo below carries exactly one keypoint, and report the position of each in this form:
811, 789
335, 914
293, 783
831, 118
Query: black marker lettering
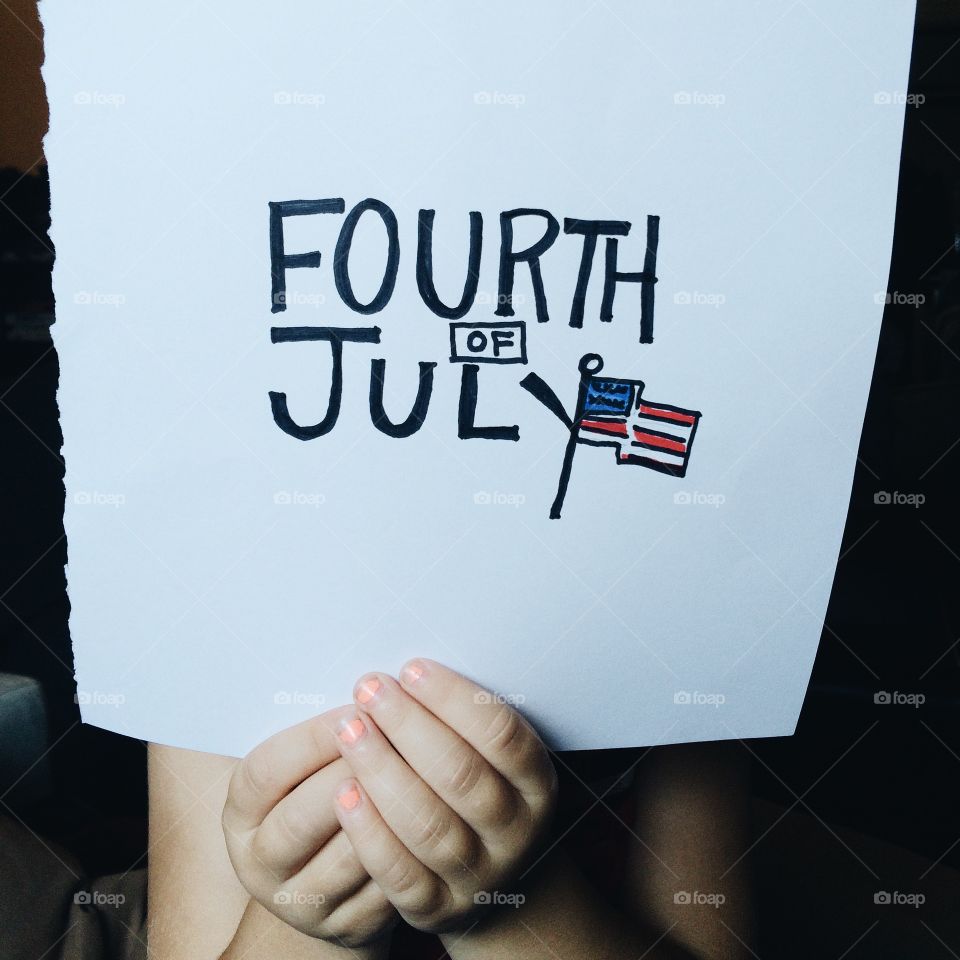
589, 230
342, 254
509, 259
646, 279
336, 337
419, 412
425, 284
466, 429
280, 261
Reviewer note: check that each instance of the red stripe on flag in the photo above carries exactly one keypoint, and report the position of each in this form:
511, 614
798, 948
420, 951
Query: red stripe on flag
604, 426
667, 414
661, 442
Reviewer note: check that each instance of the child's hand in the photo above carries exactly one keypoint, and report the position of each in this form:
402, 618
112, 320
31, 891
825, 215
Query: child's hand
451, 792
285, 843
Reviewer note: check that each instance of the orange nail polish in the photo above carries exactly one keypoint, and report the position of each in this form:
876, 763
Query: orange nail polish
367, 690
350, 731
349, 798
411, 673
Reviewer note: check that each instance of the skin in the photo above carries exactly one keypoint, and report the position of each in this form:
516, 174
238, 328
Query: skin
418, 802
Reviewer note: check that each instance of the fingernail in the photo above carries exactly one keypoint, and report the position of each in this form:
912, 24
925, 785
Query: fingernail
350, 731
349, 797
411, 673
367, 690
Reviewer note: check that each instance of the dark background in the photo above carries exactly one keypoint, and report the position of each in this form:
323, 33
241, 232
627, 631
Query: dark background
854, 768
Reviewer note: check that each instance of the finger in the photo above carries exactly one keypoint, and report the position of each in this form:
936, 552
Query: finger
333, 873
451, 767
366, 916
492, 727
414, 814
272, 769
414, 890
334, 897
300, 824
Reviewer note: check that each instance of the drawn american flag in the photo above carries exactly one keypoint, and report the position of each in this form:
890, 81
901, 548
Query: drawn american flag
654, 435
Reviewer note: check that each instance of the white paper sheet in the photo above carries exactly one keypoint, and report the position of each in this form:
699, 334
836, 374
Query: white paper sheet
227, 579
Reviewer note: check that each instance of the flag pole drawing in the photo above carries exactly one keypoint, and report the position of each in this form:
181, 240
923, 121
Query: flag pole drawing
614, 413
